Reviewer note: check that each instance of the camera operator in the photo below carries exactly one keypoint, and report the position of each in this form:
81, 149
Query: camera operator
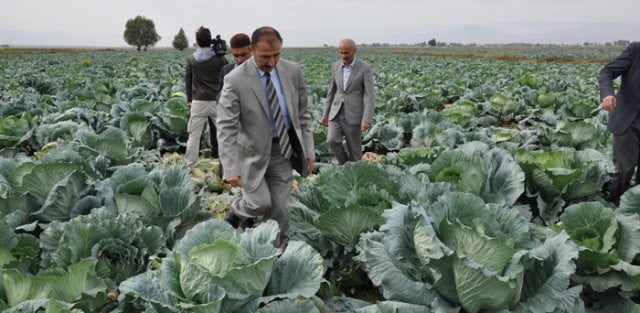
202, 89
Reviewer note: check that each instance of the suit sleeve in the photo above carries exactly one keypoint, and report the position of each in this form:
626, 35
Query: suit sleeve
330, 94
305, 118
611, 71
369, 96
188, 81
228, 125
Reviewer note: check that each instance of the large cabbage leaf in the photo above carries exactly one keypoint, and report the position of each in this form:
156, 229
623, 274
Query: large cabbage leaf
479, 256
56, 284
215, 268
561, 176
608, 244
473, 167
163, 197
121, 243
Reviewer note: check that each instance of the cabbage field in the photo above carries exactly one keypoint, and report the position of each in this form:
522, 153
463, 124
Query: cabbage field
480, 192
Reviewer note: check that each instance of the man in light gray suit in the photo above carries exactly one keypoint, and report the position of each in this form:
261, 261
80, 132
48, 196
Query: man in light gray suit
624, 120
350, 103
264, 132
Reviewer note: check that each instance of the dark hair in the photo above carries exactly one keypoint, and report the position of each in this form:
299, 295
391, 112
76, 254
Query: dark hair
240, 40
203, 37
265, 33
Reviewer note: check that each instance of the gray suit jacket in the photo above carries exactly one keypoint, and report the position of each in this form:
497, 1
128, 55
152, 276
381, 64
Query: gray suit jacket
627, 65
244, 125
358, 99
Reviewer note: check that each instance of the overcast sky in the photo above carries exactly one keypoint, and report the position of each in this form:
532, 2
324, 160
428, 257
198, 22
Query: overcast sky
310, 23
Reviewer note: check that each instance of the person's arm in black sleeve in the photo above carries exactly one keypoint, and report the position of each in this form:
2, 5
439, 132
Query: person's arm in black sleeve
188, 77
611, 71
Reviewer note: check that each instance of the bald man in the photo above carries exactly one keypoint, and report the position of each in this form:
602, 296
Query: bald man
350, 103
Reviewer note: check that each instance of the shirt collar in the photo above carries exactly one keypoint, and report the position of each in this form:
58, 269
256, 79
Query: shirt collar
260, 72
351, 64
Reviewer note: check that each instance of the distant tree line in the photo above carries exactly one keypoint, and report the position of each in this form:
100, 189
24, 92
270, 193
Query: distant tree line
435, 43
140, 32
620, 42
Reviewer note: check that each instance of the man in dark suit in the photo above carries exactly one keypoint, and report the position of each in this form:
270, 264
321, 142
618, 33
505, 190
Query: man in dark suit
624, 121
350, 103
264, 131
241, 51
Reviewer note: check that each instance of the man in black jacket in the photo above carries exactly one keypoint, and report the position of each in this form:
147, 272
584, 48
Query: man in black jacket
203, 86
240, 50
624, 122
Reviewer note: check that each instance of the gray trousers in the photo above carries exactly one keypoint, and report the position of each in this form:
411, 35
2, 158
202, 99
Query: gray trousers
626, 154
201, 112
338, 129
271, 198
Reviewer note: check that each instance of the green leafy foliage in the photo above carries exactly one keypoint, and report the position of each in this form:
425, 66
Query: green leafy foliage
477, 256
121, 244
608, 244
473, 167
217, 269
558, 177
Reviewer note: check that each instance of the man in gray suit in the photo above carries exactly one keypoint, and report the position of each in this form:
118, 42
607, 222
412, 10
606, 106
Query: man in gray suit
264, 131
624, 121
350, 103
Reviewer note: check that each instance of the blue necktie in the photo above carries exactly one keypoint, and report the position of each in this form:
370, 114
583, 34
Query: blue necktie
276, 116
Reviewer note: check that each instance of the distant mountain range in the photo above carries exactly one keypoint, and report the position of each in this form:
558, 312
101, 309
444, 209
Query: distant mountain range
533, 33
58, 38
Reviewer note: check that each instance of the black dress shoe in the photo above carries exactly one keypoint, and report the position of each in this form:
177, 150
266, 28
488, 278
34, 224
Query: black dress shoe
236, 222
248, 223
232, 219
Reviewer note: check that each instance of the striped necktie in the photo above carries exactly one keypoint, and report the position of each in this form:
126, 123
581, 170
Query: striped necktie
276, 116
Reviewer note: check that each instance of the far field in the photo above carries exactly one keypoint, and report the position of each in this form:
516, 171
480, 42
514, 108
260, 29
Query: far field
481, 190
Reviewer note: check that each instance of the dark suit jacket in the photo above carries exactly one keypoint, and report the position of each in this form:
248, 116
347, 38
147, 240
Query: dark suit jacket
226, 69
626, 65
223, 72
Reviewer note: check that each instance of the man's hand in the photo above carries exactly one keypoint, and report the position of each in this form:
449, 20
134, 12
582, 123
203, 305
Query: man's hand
311, 164
234, 181
189, 105
364, 126
609, 103
324, 121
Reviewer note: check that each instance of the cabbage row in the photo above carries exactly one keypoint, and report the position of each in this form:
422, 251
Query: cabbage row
484, 195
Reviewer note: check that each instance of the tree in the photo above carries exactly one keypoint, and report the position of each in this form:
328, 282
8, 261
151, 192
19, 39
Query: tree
621, 42
180, 41
432, 42
140, 32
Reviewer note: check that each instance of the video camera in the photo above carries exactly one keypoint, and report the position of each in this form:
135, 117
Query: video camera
219, 46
